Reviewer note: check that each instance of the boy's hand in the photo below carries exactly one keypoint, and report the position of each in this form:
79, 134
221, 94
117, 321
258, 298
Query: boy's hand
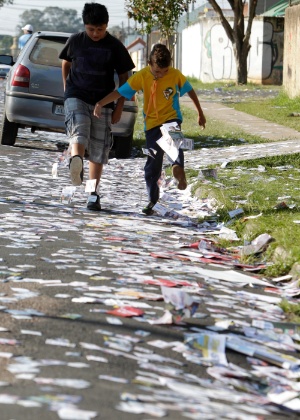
97, 110
202, 121
117, 112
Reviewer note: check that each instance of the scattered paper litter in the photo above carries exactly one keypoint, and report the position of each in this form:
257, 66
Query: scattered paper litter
69, 413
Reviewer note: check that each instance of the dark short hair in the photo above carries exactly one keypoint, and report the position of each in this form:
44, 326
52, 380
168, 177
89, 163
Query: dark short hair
160, 55
95, 14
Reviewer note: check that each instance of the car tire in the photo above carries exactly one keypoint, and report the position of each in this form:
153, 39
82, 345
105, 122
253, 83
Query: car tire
123, 146
8, 132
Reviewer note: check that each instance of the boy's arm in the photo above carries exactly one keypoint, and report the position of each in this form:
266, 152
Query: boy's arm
116, 115
111, 97
66, 65
194, 98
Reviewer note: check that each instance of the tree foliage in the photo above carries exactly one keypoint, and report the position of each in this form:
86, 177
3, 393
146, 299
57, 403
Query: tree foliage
6, 42
239, 33
3, 2
157, 14
118, 32
52, 19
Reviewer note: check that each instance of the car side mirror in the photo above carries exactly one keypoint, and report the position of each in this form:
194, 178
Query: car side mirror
7, 59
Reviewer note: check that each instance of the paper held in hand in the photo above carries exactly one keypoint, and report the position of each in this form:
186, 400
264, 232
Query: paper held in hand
172, 140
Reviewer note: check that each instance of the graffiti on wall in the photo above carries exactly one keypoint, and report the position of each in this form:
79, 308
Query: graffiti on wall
265, 58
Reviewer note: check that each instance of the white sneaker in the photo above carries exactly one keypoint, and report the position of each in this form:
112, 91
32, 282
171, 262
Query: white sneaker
76, 170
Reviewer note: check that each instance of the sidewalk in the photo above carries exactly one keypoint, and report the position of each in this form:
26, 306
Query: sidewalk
282, 140
216, 111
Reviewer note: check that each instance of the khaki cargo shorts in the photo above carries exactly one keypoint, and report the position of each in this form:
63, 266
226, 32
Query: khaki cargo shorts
83, 128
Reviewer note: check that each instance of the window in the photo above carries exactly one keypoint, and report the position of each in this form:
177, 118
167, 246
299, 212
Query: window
47, 50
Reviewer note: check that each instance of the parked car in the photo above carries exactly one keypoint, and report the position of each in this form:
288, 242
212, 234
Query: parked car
4, 70
34, 94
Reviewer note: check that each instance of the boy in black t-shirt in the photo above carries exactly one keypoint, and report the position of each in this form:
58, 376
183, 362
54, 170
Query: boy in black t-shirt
90, 59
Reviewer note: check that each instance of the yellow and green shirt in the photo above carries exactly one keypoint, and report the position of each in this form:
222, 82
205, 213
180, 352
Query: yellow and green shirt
161, 95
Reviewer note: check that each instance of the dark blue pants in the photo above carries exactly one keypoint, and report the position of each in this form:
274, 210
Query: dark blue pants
154, 164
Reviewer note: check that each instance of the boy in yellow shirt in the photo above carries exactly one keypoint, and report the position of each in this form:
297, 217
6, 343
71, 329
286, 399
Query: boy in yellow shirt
162, 85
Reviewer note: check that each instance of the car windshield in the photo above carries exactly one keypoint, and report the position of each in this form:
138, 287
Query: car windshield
47, 50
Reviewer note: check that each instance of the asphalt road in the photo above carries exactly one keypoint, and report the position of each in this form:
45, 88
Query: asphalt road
62, 268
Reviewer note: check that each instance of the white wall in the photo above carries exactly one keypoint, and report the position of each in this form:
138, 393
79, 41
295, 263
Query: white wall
191, 52
207, 53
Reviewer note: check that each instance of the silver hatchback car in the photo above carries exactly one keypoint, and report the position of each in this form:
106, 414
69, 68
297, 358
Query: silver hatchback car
34, 94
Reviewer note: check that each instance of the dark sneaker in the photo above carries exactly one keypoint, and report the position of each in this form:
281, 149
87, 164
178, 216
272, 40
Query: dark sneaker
179, 175
76, 170
93, 203
148, 210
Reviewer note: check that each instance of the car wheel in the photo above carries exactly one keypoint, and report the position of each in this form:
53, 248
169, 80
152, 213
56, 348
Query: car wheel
123, 146
8, 132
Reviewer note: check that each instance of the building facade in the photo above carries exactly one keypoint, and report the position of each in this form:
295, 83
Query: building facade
291, 74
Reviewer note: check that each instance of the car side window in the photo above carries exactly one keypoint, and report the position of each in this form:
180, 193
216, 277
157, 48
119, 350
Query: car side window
49, 56
47, 52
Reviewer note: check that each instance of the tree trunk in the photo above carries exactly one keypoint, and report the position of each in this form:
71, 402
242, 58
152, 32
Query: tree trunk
238, 35
242, 71
241, 57
169, 42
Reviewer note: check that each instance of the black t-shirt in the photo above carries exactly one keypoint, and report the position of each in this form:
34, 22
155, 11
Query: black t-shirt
94, 63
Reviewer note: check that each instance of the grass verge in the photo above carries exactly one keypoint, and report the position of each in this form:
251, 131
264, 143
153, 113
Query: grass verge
268, 193
292, 310
280, 110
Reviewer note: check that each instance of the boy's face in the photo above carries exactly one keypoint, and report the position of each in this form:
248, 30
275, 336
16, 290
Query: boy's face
158, 72
96, 32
